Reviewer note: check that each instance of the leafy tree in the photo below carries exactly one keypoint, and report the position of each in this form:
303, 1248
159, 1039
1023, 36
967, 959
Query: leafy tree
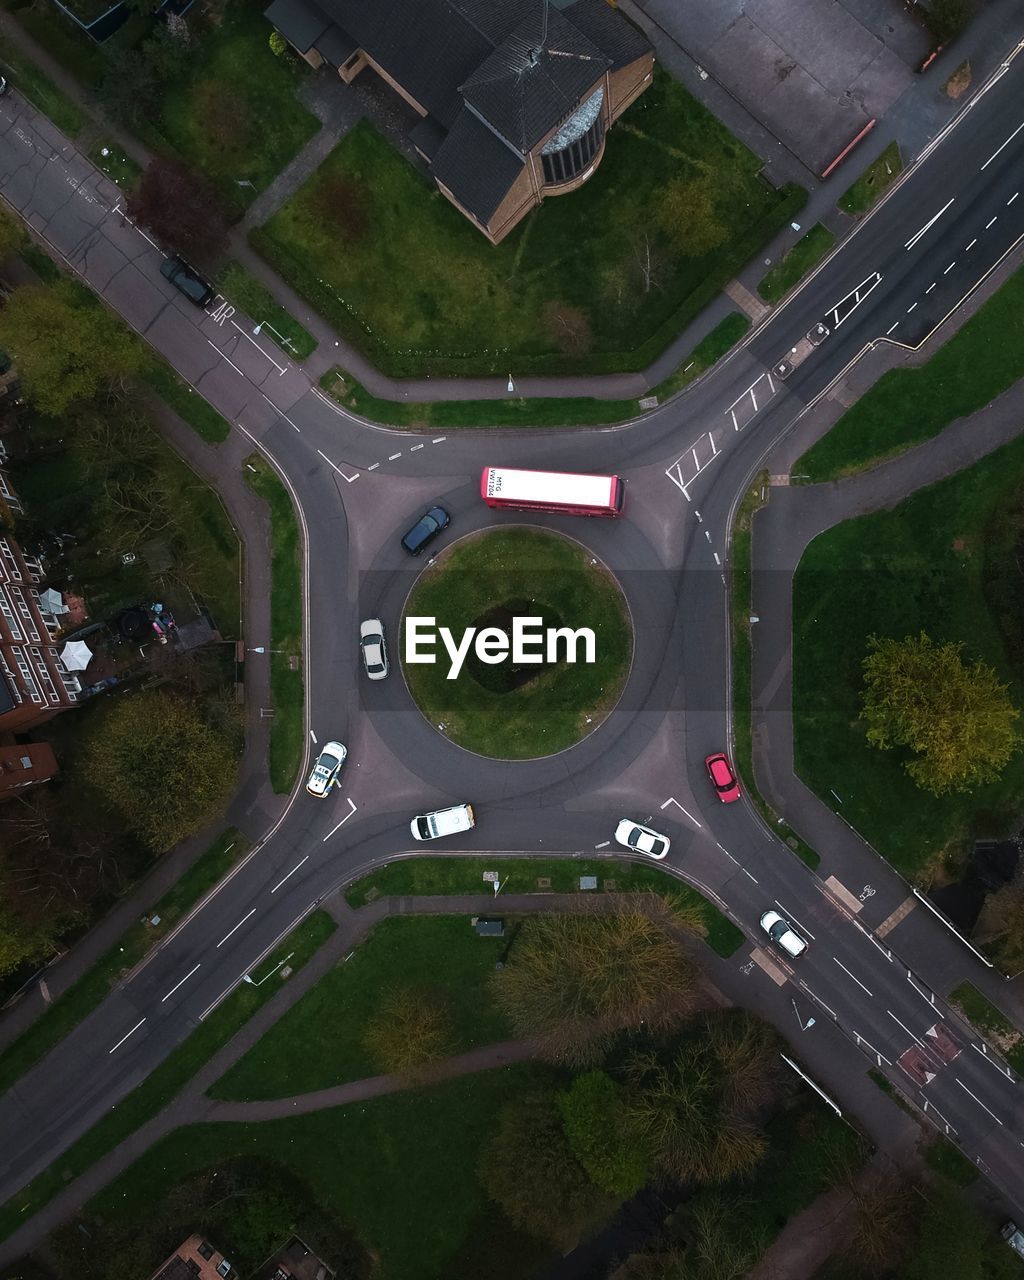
409, 1029
134, 81
278, 44
695, 1109
529, 1169
1002, 918
160, 765
953, 1241
945, 19
576, 981
688, 217
602, 1136
180, 208
956, 717
66, 349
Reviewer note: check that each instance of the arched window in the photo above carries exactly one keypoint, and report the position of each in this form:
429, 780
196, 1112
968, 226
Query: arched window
568, 154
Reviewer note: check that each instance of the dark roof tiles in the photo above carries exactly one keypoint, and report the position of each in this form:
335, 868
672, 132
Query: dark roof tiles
476, 166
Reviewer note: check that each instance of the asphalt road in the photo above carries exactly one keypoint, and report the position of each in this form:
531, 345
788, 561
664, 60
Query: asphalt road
357, 487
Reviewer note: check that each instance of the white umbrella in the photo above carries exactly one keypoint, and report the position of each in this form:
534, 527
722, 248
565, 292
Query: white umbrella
76, 655
52, 601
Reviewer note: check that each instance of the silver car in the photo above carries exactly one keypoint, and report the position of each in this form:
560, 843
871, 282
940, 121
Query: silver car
374, 648
325, 771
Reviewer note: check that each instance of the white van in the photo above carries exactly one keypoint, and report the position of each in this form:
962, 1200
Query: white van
445, 822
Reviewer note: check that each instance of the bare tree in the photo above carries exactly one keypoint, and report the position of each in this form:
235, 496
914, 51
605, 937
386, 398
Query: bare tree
409, 1030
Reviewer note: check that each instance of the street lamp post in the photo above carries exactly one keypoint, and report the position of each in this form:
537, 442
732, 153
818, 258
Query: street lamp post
804, 1026
265, 324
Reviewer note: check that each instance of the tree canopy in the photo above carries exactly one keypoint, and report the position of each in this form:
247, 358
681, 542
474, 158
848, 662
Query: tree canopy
688, 217
408, 1030
180, 208
67, 348
602, 1134
955, 716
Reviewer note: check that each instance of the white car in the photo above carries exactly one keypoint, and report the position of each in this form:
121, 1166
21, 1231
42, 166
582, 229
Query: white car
443, 822
642, 839
374, 648
782, 932
326, 770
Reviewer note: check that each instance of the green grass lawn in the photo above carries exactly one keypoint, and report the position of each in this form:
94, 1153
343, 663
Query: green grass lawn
873, 181
541, 412
41, 91
400, 1169
467, 306
186, 402
236, 116
287, 736
424, 875
63, 39
170, 1077
944, 561
79, 1000
438, 954
115, 162
993, 1024
946, 1158
908, 406
524, 572
804, 255
247, 293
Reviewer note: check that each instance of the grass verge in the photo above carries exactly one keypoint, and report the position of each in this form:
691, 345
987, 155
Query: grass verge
887, 1087
804, 255
80, 999
169, 1078
873, 181
425, 875
187, 403
947, 1159
741, 605
116, 163
994, 1025
243, 289
42, 92
287, 737
438, 955
541, 412
908, 406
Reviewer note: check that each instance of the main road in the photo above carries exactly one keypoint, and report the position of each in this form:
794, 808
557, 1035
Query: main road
932, 241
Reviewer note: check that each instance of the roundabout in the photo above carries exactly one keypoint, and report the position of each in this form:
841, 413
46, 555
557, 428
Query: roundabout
553, 643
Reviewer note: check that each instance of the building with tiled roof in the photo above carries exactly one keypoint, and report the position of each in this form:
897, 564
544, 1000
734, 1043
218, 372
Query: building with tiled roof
515, 97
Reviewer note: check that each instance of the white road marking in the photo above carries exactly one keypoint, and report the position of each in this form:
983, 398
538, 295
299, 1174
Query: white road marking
236, 928
880, 1056
857, 295
1012, 198
790, 916
707, 535
891, 327
717, 561
1005, 1071
931, 287
439, 440
603, 845
673, 800
290, 873
175, 987
230, 361
393, 456
1003, 147
373, 467
927, 997
313, 736
279, 367
130, 1033
949, 269
906, 1029
972, 244
818, 999
911, 308
348, 815
700, 518
977, 1100
928, 225
855, 978
417, 446
696, 460
347, 479
735, 424
988, 224
749, 876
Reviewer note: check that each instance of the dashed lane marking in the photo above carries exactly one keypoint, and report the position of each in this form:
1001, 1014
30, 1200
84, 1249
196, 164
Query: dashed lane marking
972, 244
1012, 198
125, 1037
1003, 147
978, 1101
949, 269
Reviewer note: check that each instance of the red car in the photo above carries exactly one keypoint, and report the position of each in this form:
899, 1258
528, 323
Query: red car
723, 778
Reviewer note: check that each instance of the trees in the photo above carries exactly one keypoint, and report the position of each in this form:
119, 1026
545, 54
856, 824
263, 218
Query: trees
160, 765
602, 1135
956, 717
180, 208
688, 217
575, 981
67, 348
408, 1030
529, 1169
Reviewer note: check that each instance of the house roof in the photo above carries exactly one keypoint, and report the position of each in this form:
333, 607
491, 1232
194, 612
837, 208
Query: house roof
476, 166
618, 38
299, 21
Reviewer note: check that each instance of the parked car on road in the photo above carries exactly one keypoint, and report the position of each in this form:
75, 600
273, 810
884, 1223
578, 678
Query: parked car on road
374, 648
642, 839
325, 771
188, 281
443, 822
723, 777
425, 530
782, 933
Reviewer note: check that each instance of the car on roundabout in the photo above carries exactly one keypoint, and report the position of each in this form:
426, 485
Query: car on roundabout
443, 822
641, 839
723, 777
425, 530
374, 648
782, 933
325, 771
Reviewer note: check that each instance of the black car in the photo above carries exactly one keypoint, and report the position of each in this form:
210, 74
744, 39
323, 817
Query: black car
188, 281
425, 530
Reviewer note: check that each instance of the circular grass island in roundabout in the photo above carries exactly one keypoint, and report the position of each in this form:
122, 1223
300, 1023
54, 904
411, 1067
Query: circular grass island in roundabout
505, 709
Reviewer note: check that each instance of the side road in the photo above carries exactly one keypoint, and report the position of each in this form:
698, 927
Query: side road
723, 983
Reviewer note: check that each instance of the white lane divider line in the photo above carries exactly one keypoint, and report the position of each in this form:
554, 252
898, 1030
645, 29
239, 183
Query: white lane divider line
989, 223
891, 327
236, 928
949, 269
911, 308
393, 456
972, 244
1003, 147
603, 845
130, 1033
717, 561
280, 368
928, 225
673, 800
983, 1050
707, 535
790, 916
1012, 198
352, 809
290, 873
373, 466
279, 412
229, 360
178, 984
931, 286
906, 1029
313, 736
347, 479
439, 440
417, 446
977, 1100
853, 976
880, 1057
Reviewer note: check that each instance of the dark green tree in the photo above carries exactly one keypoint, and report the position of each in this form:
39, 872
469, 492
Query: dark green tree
602, 1134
